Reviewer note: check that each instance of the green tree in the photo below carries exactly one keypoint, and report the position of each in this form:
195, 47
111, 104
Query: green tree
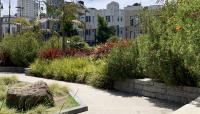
21, 21
103, 31
67, 17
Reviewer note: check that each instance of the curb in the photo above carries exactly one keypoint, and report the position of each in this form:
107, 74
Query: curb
75, 110
12, 69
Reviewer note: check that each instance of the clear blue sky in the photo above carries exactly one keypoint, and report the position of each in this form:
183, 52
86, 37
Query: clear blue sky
99, 4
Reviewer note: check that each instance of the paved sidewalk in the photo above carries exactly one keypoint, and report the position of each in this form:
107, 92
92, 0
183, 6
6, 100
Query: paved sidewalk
109, 102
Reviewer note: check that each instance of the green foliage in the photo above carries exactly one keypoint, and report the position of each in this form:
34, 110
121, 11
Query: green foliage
172, 53
8, 80
123, 62
103, 31
53, 42
58, 90
100, 79
67, 14
7, 111
82, 70
38, 110
113, 39
4, 82
78, 43
21, 48
69, 69
22, 21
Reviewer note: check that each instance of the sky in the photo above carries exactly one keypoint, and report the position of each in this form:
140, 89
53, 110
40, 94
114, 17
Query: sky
98, 4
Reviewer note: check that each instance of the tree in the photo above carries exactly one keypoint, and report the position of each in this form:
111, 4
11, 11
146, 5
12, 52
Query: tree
21, 21
67, 16
103, 31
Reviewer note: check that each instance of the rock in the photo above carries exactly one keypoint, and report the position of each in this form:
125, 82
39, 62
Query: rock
24, 98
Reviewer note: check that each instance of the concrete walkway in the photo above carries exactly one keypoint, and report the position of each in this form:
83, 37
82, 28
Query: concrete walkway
109, 102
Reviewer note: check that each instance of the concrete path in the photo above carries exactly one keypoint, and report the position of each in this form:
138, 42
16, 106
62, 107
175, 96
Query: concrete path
191, 108
109, 102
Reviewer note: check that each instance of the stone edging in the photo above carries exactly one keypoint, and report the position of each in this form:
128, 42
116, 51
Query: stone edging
12, 69
149, 88
75, 110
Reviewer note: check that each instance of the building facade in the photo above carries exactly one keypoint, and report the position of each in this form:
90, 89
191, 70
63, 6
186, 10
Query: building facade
132, 22
115, 17
28, 9
112, 14
126, 21
4, 26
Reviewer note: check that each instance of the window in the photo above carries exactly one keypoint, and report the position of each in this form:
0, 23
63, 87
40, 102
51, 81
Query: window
117, 30
87, 32
88, 19
131, 22
108, 18
134, 21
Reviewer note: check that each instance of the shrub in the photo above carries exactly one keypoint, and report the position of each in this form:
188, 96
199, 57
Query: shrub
53, 42
113, 39
175, 43
39, 67
149, 57
73, 52
102, 50
160, 63
73, 69
21, 48
77, 42
69, 69
4, 57
51, 53
123, 62
100, 79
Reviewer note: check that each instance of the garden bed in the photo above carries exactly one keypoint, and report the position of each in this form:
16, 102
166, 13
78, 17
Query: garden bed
149, 88
65, 102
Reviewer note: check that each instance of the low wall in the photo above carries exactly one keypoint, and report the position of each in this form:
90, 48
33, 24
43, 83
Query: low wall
12, 69
147, 87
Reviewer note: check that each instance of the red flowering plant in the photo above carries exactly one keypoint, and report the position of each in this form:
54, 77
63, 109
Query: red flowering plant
104, 49
77, 52
51, 53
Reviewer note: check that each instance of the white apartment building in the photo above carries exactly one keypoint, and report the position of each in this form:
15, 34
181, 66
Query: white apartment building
28, 9
132, 22
113, 15
91, 23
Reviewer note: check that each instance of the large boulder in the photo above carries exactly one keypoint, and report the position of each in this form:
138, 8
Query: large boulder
24, 98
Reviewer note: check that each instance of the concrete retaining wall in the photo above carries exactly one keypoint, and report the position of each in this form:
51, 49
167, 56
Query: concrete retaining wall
12, 69
147, 87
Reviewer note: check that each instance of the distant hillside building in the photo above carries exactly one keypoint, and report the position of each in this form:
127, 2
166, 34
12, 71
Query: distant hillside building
28, 9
